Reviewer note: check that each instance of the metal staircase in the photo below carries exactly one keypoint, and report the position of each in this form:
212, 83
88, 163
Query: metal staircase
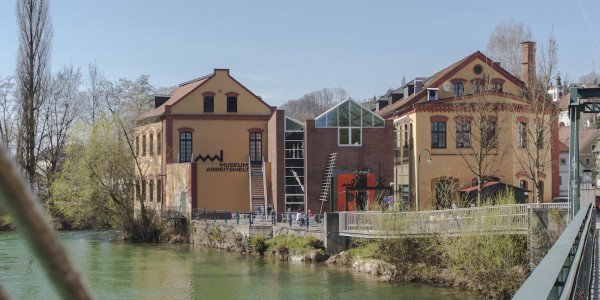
257, 185
327, 178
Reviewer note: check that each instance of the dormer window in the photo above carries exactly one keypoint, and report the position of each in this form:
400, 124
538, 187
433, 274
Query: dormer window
497, 87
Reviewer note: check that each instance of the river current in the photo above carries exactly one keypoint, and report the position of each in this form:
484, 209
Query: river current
121, 270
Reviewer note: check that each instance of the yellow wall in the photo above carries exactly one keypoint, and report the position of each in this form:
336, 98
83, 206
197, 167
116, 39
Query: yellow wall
448, 162
221, 84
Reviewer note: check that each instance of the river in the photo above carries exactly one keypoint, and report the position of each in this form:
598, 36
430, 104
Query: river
120, 270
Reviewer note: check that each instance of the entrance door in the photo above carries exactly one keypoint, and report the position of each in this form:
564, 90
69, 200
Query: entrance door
255, 147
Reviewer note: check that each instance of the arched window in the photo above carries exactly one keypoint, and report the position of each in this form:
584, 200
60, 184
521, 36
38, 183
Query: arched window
151, 190
185, 146
151, 144
459, 89
144, 145
158, 143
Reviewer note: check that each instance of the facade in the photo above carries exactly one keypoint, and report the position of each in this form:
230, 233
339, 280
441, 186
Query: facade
212, 144
585, 173
197, 147
437, 129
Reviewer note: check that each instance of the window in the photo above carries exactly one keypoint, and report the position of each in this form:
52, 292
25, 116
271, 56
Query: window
137, 145
463, 134
459, 89
477, 88
522, 132
477, 69
151, 190
143, 190
497, 87
488, 133
563, 161
144, 145
185, 147
151, 144
232, 104
560, 180
438, 135
350, 136
587, 162
158, 143
209, 104
159, 190
540, 139
523, 185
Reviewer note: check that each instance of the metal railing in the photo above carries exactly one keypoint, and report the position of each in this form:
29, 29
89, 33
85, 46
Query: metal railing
566, 271
495, 219
234, 217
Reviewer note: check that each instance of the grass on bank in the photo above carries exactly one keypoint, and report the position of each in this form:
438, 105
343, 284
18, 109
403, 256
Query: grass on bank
282, 246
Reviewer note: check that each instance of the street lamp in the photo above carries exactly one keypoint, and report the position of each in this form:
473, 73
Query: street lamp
428, 161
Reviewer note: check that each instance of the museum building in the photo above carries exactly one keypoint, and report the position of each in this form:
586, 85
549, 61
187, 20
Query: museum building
213, 144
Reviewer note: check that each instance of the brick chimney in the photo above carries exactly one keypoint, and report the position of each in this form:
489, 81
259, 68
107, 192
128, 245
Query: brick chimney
528, 63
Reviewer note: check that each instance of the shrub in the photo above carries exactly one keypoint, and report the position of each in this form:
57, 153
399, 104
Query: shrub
258, 244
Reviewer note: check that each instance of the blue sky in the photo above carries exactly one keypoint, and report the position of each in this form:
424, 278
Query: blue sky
283, 49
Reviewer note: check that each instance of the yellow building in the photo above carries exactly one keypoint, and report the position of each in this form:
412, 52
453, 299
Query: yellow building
440, 136
208, 135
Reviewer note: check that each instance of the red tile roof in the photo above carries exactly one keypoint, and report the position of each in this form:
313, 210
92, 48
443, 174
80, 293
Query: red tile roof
585, 137
440, 77
178, 94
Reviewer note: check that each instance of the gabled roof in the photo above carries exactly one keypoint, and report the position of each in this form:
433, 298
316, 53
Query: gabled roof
177, 94
186, 88
440, 77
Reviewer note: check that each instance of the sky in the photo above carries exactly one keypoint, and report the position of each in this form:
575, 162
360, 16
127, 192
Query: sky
281, 50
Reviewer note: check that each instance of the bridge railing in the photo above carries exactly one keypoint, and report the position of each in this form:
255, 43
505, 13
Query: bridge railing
499, 218
566, 271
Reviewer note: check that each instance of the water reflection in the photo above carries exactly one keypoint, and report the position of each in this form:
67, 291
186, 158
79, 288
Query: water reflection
120, 270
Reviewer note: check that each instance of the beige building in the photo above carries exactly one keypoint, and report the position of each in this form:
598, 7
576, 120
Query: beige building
439, 133
200, 144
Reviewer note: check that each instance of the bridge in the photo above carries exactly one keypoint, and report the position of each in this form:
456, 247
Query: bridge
498, 219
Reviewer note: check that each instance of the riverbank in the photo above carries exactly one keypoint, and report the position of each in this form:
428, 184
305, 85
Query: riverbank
493, 266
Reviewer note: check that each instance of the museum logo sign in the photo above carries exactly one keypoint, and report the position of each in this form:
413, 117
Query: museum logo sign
223, 166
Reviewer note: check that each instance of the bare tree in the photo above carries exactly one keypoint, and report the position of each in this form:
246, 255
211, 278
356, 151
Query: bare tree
314, 103
33, 64
481, 137
97, 88
8, 112
59, 112
533, 149
505, 42
591, 79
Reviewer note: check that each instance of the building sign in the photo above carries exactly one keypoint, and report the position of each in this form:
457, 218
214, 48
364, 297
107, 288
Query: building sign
229, 167
223, 166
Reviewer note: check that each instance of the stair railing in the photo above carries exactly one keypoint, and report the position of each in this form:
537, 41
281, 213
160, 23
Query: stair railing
250, 181
264, 187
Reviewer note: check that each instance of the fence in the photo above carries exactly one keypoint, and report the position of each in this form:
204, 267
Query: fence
240, 217
495, 219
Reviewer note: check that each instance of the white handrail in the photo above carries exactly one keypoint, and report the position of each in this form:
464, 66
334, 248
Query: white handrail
264, 186
250, 181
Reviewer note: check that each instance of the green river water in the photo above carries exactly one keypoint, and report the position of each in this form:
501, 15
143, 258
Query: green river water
120, 270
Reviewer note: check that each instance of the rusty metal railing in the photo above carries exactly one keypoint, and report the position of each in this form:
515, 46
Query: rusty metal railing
17, 198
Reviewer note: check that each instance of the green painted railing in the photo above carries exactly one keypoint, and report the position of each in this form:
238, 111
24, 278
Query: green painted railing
566, 271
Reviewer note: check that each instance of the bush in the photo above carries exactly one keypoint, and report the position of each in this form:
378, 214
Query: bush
258, 244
